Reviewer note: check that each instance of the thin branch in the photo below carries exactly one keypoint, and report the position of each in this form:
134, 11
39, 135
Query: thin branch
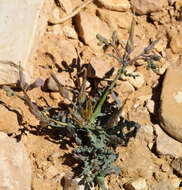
75, 12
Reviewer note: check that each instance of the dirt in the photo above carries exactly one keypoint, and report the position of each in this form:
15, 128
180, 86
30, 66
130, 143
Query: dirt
47, 151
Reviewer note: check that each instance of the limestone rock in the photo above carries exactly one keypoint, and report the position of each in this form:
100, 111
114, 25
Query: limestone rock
138, 184
8, 120
176, 43
69, 32
138, 81
116, 5
171, 103
177, 165
124, 87
143, 7
15, 165
66, 5
22, 25
89, 26
166, 145
150, 104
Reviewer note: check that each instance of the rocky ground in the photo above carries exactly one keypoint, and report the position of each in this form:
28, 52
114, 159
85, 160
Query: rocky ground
151, 161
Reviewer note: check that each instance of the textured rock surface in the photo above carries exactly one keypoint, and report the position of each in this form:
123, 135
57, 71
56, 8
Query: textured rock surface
20, 27
116, 5
15, 165
176, 43
177, 165
171, 103
166, 145
143, 7
89, 26
138, 184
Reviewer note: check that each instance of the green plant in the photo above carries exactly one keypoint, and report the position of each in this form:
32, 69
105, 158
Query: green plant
95, 125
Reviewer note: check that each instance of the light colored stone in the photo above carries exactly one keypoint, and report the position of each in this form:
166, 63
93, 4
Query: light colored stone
22, 26
116, 5
143, 7
129, 70
177, 165
89, 26
145, 133
138, 184
175, 182
171, 103
178, 4
124, 87
150, 104
15, 165
66, 5
8, 121
138, 81
161, 186
166, 145
72, 184
69, 32
176, 43
62, 77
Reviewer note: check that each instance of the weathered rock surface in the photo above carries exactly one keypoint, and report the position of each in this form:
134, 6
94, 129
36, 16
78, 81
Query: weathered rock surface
162, 185
89, 26
15, 165
176, 43
22, 24
116, 5
8, 121
171, 103
177, 165
143, 7
138, 184
166, 145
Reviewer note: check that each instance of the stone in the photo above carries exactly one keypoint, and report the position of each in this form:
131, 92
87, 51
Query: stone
138, 184
145, 133
66, 5
166, 145
162, 185
129, 70
150, 105
9, 121
27, 20
62, 77
72, 184
175, 182
15, 165
115, 5
124, 87
143, 7
89, 26
69, 32
176, 164
171, 103
138, 81
176, 43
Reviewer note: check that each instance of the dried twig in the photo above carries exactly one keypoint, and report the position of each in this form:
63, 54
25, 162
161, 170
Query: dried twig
75, 12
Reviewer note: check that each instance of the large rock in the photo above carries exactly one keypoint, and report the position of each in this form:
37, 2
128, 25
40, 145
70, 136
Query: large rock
143, 7
176, 43
22, 24
89, 26
171, 103
15, 167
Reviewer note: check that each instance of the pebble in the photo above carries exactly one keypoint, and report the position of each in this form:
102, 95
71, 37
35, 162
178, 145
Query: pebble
138, 184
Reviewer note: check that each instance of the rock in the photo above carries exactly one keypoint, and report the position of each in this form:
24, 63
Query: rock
89, 26
62, 77
138, 184
21, 17
124, 87
176, 43
166, 145
143, 7
8, 120
145, 133
15, 165
138, 81
178, 4
72, 184
175, 182
162, 185
129, 70
176, 164
69, 32
150, 105
171, 103
66, 5
116, 5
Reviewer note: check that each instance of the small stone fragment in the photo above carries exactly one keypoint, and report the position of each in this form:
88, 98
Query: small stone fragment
15, 166
176, 164
143, 7
138, 81
139, 184
69, 32
116, 5
124, 87
129, 70
166, 145
72, 184
66, 5
176, 43
150, 104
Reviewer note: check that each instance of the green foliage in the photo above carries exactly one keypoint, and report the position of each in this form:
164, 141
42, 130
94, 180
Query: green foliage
95, 125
